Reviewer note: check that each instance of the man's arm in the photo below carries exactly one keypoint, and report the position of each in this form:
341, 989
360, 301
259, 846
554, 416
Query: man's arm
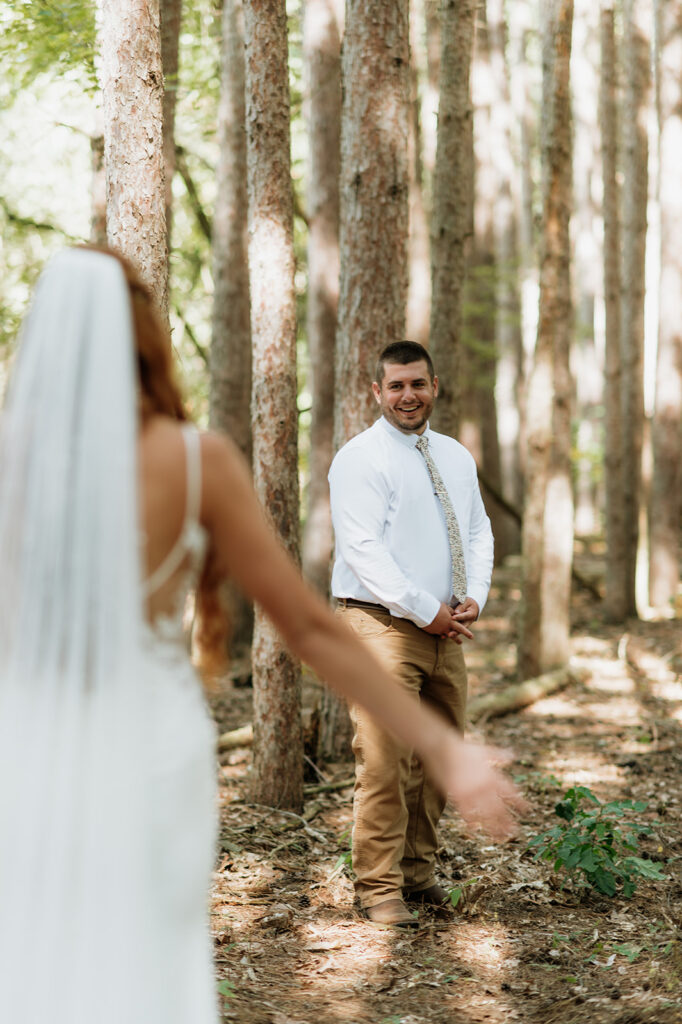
360, 497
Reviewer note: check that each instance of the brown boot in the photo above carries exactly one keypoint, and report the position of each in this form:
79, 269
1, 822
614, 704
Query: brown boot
390, 914
435, 896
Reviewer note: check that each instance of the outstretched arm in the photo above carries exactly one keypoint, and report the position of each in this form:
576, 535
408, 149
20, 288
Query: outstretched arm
245, 548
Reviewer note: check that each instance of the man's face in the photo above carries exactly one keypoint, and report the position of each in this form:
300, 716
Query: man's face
406, 395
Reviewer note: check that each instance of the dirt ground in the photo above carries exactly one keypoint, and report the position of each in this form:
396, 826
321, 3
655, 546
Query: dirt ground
291, 948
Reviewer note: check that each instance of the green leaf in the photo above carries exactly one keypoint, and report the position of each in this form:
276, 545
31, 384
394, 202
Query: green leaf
604, 882
565, 809
226, 990
628, 949
646, 868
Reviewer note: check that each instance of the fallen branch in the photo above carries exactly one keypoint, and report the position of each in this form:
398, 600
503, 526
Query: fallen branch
328, 787
235, 738
520, 695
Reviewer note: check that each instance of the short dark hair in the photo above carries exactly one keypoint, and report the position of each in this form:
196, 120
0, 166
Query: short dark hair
403, 352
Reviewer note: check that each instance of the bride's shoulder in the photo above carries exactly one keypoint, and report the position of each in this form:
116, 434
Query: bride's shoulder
221, 459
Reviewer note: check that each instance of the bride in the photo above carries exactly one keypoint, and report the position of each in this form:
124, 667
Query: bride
111, 509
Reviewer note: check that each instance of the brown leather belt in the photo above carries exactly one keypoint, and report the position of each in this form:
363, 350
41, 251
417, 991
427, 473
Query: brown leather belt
350, 602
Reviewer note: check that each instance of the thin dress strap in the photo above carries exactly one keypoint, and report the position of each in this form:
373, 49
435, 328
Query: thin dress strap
173, 560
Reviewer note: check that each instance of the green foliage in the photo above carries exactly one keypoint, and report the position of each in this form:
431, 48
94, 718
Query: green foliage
345, 859
227, 990
41, 35
458, 891
595, 846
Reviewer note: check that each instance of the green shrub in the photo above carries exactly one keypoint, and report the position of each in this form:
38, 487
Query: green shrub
595, 845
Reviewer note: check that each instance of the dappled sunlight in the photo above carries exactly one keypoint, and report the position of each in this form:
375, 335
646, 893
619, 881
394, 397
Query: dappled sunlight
485, 946
592, 772
619, 684
618, 711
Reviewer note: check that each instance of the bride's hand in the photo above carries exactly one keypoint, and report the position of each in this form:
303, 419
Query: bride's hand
485, 797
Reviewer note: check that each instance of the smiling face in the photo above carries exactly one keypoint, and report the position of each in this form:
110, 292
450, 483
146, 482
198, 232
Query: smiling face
406, 395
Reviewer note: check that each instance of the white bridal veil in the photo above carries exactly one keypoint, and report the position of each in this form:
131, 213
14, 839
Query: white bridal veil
76, 914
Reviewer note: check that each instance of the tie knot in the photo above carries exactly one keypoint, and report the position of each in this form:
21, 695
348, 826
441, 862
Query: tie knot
422, 443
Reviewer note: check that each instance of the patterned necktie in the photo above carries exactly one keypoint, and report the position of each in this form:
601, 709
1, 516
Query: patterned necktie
459, 574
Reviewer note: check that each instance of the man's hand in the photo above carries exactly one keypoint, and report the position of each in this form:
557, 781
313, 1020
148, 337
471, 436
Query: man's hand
466, 611
446, 624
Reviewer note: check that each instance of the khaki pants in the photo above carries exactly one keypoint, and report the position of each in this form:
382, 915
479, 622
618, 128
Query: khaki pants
396, 808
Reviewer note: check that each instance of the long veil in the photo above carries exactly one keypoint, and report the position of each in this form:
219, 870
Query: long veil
76, 920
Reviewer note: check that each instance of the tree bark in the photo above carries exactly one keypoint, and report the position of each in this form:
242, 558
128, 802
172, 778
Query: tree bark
548, 517
230, 361
171, 19
616, 560
636, 14
483, 274
374, 210
509, 382
323, 26
373, 235
98, 210
587, 260
132, 91
666, 490
450, 226
278, 750
418, 314
431, 90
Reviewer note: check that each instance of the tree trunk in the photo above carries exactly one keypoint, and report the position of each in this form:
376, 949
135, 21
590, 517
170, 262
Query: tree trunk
451, 217
373, 234
480, 338
616, 560
418, 313
374, 208
666, 490
586, 356
522, 34
132, 91
635, 186
323, 27
98, 210
278, 749
548, 517
171, 18
509, 377
230, 363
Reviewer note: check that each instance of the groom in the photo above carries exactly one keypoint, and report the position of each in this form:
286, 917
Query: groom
414, 556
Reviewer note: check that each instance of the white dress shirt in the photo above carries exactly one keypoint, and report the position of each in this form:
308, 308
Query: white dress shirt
391, 539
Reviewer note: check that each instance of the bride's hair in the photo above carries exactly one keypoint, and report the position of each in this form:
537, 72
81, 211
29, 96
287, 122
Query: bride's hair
161, 395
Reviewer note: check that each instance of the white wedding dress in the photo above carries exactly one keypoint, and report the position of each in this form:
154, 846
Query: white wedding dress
183, 828
107, 767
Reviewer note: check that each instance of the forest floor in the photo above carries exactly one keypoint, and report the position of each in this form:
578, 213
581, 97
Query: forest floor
292, 948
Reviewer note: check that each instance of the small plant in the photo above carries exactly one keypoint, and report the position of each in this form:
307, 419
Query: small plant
458, 891
344, 861
227, 991
595, 846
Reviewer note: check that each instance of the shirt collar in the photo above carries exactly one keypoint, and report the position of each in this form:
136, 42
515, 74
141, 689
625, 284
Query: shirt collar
409, 440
